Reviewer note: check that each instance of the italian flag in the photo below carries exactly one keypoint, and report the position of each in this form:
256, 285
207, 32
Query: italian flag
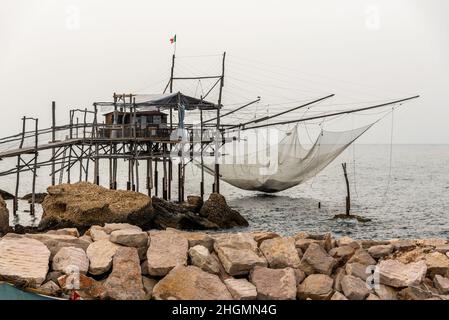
173, 40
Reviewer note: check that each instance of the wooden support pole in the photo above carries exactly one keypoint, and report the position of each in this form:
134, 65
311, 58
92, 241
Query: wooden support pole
217, 140
16, 194
53, 139
202, 158
156, 186
348, 196
33, 192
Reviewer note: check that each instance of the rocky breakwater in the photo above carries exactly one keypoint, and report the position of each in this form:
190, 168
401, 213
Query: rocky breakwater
4, 217
120, 261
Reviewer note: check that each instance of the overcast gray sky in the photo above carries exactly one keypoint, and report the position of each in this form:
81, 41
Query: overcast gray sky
76, 52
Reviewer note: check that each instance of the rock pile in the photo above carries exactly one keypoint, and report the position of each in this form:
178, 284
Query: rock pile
120, 261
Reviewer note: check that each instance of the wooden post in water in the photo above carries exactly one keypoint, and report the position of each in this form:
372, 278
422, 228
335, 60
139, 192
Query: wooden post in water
53, 139
16, 194
217, 166
348, 196
33, 192
156, 186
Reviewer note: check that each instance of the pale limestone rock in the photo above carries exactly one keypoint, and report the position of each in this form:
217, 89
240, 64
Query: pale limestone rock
125, 280
280, 252
300, 276
338, 276
111, 227
316, 260
380, 251
354, 288
403, 244
274, 284
347, 241
196, 238
442, 284
437, 263
303, 244
241, 289
396, 274
23, 259
66, 232
260, 236
363, 257
432, 242
201, 257
190, 283
100, 255
385, 292
342, 254
238, 253
372, 296
70, 259
87, 238
49, 288
55, 242
357, 270
98, 233
130, 238
316, 287
338, 296
442, 248
167, 250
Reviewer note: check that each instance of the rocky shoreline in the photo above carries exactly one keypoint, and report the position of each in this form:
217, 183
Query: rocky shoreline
120, 260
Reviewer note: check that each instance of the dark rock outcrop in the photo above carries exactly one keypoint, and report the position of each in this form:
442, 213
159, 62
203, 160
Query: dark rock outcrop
6, 195
38, 197
83, 204
4, 217
172, 215
216, 210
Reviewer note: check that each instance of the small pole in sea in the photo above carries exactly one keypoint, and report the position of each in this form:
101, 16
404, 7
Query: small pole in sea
53, 139
348, 196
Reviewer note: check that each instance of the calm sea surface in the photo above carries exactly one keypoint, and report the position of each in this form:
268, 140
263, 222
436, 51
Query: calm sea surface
409, 198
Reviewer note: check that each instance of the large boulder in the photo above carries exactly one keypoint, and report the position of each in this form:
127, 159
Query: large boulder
97, 233
363, 257
196, 238
316, 260
316, 287
274, 284
397, 274
280, 252
354, 288
4, 217
437, 263
23, 260
125, 280
83, 204
385, 292
241, 289
380, 251
190, 283
238, 253
70, 258
130, 238
201, 257
167, 250
173, 215
55, 242
100, 254
216, 210
66, 232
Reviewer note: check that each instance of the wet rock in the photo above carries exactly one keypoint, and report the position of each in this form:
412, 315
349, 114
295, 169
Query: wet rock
111, 227
196, 238
49, 288
148, 286
70, 258
130, 238
6, 195
216, 210
194, 203
238, 253
85, 286
396, 274
190, 283
357, 270
338, 296
280, 252
55, 242
4, 218
316, 287
201, 257
167, 250
241, 289
66, 232
97, 233
441, 284
380, 251
274, 284
100, 255
25, 260
316, 260
173, 215
125, 280
354, 288
363, 257
260, 236
385, 292
38, 197
437, 263
83, 204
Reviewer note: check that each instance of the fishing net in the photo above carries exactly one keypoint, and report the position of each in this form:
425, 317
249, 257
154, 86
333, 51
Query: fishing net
285, 165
